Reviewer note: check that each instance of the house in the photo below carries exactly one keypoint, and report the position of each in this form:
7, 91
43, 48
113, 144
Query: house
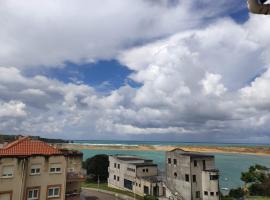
191, 176
134, 174
34, 170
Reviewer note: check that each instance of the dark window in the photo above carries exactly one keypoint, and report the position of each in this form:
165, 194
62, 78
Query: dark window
143, 170
175, 174
118, 178
128, 184
146, 170
212, 193
174, 161
205, 193
114, 165
169, 160
114, 177
217, 193
198, 194
204, 165
139, 185
118, 166
187, 178
194, 178
214, 177
146, 190
195, 163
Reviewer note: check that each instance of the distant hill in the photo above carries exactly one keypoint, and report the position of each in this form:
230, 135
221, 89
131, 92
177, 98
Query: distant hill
10, 138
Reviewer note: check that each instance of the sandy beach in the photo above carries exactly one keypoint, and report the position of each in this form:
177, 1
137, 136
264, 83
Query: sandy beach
204, 149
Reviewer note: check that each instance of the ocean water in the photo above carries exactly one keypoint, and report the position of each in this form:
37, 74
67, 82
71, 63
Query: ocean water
158, 143
230, 165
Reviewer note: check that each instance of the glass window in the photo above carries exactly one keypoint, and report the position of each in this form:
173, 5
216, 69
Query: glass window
175, 174
7, 171
194, 178
55, 168
35, 169
187, 178
169, 160
206, 193
33, 194
174, 161
212, 193
53, 192
195, 163
214, 177
198, 194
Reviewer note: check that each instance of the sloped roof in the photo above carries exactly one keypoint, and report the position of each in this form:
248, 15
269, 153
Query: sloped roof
27, 147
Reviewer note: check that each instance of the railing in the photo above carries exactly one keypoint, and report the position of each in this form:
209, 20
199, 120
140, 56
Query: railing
75, 176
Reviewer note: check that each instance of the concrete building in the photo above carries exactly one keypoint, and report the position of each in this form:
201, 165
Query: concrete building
191, 176
34, 170
134, 174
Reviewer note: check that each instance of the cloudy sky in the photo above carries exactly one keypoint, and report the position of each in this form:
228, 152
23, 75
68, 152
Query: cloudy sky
135, 69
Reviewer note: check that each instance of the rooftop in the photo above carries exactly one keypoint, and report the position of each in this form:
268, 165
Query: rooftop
27, 147
191, 154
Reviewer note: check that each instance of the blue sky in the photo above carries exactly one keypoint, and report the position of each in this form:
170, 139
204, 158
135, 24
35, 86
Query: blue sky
165, 69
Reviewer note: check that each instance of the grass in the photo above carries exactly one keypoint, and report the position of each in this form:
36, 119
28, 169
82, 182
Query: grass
104, 186
258, 198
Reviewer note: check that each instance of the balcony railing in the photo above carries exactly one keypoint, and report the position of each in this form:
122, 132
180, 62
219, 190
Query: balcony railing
75, 176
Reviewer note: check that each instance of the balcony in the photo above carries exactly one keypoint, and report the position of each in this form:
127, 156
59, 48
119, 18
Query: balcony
75, 177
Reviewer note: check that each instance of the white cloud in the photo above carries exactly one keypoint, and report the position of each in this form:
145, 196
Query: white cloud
12, 109
211, 84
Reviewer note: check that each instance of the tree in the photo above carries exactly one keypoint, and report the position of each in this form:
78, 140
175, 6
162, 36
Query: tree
255, 174
236, 193
97, 166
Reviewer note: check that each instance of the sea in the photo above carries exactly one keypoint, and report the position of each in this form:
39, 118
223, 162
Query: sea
230, 165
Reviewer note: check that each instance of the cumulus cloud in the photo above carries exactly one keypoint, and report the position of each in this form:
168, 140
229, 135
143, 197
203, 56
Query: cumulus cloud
49, 33
202, 78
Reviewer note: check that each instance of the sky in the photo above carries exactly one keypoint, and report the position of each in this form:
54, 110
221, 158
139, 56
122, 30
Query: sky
175, 70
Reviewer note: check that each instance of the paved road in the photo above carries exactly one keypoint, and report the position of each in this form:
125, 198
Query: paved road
95, 195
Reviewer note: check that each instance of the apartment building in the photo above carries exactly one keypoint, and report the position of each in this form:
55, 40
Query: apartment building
134, 174
191, 176
34, 170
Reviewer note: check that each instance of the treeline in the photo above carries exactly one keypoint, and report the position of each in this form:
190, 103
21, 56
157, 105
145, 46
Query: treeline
10, 138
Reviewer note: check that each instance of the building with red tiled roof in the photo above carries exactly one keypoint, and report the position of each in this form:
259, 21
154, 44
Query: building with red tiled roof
32, 169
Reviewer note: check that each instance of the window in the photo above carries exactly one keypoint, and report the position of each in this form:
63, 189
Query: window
139, 185
33, 194
114, 165
187, 178
55, 168
214, 177
35, 170
53, 192
204, 165
128, 184
146, 190
5, 196
143, 170
205, 193
7, 171
174, 161
194, 178
212, 193
169, 160
217, 193
195, 163
118, 178
114, 177
146, 170
118, 166
198, 194
175, 174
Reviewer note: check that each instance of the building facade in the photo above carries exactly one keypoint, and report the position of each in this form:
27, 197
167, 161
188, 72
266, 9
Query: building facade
134, 174
191, 176
33, 170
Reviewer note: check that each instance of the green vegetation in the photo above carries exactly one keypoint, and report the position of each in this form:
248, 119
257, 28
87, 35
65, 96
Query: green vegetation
149, 197
104, 186
257, 184
97, 168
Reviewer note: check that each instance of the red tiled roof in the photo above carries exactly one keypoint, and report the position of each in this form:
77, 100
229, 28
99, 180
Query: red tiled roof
27, 147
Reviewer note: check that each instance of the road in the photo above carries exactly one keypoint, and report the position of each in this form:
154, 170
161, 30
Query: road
95, 195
